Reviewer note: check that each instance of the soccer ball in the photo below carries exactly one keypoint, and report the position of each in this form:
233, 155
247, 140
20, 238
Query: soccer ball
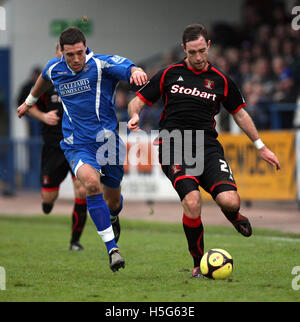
216, 264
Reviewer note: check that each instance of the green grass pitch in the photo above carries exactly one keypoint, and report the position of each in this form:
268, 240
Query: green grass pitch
39, 267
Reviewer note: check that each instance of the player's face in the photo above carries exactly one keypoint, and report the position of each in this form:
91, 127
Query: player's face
75, 56
196, 53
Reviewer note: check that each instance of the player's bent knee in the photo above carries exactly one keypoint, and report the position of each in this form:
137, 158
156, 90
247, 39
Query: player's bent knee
228, 200
49, 196
92, 187
79, 189
113, 204
192, 204
80, 192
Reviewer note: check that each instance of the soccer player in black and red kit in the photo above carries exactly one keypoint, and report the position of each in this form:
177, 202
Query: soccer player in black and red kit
54, 166
193, 90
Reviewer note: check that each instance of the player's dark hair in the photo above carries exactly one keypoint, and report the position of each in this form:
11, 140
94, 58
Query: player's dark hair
71, 36
193, 32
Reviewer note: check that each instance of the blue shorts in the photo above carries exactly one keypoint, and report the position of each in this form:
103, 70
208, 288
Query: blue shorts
98, 155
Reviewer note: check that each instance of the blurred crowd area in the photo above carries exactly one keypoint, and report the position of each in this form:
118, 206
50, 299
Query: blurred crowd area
262, 54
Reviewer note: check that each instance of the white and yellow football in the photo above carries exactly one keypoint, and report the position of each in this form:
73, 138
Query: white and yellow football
216, 264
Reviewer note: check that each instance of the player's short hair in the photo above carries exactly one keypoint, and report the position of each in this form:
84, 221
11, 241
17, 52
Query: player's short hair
193, 32
71, 36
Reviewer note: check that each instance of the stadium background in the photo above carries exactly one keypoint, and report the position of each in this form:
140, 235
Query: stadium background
248, 37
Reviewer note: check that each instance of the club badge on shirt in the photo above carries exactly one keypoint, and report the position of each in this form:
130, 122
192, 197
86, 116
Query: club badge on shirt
209, 84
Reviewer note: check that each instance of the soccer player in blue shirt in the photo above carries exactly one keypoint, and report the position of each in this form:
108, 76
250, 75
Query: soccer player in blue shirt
86, 84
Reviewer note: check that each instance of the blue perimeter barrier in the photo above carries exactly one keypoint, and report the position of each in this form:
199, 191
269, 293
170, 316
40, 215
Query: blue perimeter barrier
20, 159
19, 164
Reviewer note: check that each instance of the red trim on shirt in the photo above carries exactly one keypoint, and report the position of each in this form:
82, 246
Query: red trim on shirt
196, 71
163, 77
225, 80
238, 108
144, 99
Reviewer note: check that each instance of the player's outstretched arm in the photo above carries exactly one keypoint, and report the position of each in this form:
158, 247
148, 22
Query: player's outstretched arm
50, 118
134, 109
245, 122
40, 87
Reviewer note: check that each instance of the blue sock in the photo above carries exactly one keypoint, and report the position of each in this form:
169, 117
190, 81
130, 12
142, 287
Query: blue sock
100, 215
116, 212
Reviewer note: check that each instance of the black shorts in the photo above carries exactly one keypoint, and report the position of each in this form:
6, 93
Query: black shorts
215, 178
54, 167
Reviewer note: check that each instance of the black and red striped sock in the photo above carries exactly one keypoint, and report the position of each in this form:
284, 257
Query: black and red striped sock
193, 229
78, 219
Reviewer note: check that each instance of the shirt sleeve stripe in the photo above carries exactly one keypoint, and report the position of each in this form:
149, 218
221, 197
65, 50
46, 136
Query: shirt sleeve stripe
49, 71
238, 108
98, 88
144, 99
225, 80
163, 77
